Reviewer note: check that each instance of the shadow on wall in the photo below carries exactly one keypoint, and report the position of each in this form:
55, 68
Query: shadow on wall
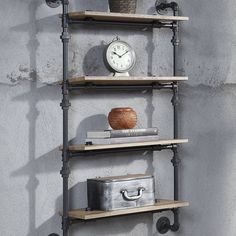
93, 64
51, 24
96, 122
33, 97
49, 162
92, 5
104, 227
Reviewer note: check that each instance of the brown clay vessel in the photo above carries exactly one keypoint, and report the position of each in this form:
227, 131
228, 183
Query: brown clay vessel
122, 118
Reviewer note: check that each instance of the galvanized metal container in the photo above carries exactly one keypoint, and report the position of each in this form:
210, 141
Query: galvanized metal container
120, 192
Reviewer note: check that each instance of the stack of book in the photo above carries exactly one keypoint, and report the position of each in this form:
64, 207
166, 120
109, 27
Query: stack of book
122, 136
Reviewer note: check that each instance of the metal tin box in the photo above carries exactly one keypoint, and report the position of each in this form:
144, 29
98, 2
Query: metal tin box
120, 192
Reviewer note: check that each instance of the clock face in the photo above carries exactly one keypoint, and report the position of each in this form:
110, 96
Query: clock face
120, 57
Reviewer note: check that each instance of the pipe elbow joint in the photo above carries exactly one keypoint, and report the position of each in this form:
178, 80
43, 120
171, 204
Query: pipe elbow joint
175, 227
174, 6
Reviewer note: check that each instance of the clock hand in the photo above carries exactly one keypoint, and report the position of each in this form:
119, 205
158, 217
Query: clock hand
124, 54
117, 54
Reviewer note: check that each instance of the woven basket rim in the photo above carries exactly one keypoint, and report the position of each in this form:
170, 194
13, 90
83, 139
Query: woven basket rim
123, 6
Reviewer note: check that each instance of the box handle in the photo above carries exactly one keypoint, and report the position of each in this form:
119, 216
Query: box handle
132, 198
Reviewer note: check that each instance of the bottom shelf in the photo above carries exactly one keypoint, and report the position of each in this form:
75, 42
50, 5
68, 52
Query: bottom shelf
159, 206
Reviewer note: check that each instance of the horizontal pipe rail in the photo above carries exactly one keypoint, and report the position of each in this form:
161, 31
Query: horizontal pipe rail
128, 149
121, 87
122, 23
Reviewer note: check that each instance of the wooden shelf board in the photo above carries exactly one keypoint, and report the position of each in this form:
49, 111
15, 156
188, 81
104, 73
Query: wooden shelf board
161, 205
124, 17
83, 147
124, 80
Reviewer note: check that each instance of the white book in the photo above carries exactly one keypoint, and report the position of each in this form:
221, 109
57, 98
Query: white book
122, 140
99, 134
122, 133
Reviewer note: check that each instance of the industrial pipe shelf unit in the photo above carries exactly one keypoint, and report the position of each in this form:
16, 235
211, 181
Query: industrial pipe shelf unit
130, 20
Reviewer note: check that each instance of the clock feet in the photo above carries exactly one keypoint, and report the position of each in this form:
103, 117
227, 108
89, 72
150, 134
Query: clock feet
120, 74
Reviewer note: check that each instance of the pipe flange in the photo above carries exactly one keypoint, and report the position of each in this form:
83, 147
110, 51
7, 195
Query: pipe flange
53, 3
163, 225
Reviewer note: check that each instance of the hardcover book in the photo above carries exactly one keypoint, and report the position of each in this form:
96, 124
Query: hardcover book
121, 133
98, 141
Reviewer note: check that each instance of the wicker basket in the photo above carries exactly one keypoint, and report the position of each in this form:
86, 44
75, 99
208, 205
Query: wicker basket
123, 6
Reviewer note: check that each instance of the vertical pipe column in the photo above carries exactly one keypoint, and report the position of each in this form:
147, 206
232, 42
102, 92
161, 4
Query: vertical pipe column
175, 102
163, 224
65, 37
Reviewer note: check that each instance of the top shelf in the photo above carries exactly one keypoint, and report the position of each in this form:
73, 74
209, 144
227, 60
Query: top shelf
125, 80
78, 17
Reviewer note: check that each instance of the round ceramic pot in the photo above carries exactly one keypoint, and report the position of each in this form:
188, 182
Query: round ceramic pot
123, 6
122, 118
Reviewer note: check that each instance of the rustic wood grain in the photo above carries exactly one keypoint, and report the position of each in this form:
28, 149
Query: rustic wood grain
83, 147
124, 80
111, 16
161, 205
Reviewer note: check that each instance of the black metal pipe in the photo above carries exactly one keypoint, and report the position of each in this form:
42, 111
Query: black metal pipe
91, 21
65, 107
175, 102
116, 150
175, 161
121, 87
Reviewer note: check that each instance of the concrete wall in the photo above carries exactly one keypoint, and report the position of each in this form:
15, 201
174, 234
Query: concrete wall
31, 119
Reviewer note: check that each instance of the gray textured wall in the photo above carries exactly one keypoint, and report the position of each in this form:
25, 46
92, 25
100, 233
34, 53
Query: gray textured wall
31, 119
